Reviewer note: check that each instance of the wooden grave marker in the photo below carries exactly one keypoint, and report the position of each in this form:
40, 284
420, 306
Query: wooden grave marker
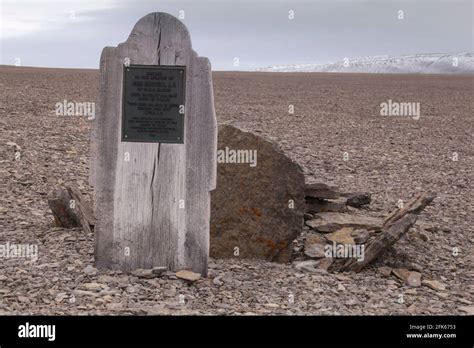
153, 151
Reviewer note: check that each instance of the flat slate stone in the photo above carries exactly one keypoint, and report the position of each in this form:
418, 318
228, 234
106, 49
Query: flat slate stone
257, 209
322, 191
188, 275
434, 284
342, 236
330, 222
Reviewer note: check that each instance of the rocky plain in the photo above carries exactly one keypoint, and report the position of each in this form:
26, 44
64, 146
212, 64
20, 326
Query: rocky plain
336, 134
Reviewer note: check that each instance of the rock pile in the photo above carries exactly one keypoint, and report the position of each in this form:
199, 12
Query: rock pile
339, 238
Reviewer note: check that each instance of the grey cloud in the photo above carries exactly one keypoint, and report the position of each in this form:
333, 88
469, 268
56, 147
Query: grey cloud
259, 33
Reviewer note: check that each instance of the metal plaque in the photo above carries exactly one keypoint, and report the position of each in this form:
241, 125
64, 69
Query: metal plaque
153, 103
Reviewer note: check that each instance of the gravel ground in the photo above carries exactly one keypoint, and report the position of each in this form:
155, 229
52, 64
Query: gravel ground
336, 133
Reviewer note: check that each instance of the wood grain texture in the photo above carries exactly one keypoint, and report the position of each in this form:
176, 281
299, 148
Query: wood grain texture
138, 202
395, 226
71, 209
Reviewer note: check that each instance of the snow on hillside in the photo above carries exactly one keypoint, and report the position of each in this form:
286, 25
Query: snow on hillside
460, 63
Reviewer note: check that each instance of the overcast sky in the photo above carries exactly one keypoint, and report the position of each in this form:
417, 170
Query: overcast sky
72, 33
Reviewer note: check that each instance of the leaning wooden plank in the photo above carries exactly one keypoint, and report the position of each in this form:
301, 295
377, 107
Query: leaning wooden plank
71, 209
396, 225
415, 206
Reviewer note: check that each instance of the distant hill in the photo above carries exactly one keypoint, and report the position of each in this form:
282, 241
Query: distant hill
435, 63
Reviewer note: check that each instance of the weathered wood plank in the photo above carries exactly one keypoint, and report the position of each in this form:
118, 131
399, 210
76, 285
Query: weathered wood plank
141, 219
395, 226
70, 208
